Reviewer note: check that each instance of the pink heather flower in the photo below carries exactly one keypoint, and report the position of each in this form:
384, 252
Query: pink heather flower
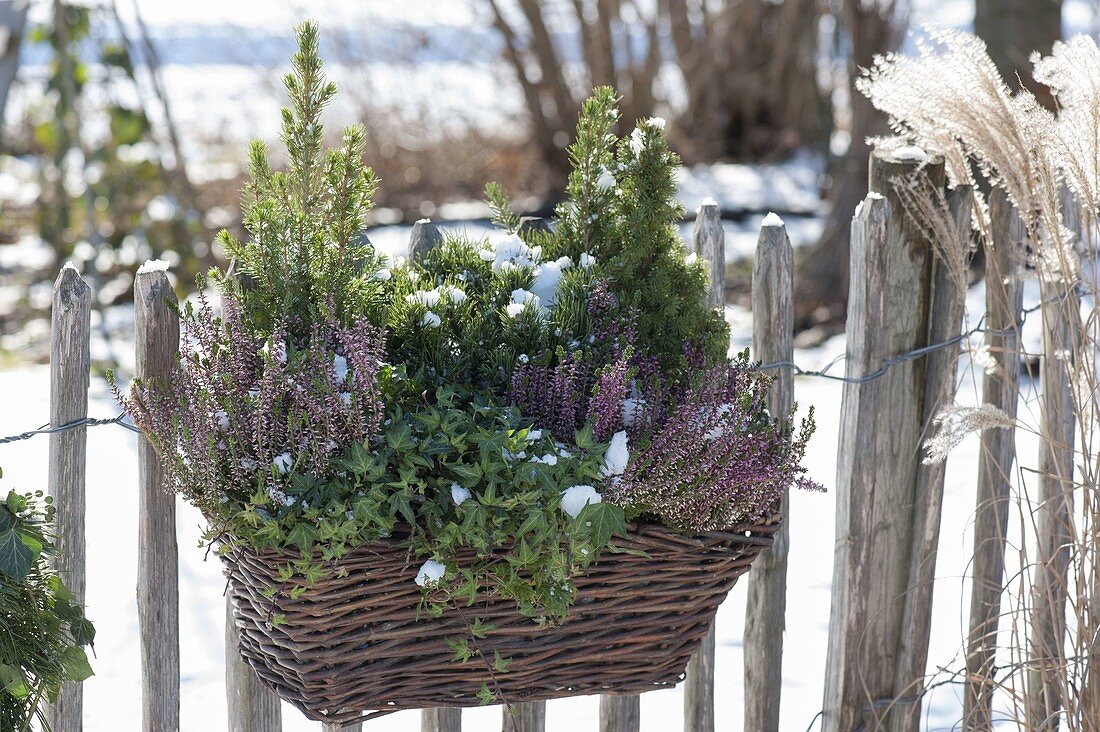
237, 413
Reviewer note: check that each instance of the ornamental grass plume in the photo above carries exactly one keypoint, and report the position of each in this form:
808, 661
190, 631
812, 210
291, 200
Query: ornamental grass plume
238, 414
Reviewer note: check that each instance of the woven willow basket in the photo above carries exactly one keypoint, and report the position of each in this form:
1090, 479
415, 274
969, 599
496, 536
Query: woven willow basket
353, 648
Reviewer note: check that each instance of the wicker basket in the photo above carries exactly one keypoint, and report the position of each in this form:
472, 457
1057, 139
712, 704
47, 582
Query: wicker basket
353, 648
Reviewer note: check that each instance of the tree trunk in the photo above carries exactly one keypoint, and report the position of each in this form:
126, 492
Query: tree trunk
1012, 29
822, 273
13, 20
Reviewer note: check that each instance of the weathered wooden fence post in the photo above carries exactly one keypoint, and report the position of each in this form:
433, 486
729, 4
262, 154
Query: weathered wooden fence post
70, 365
1006, 256
620, 713
529, 716
252, 706
878, 456
443, 719
1061, 308
948, 302
157, 343
424, 237
772, 340
342, 728
709, 243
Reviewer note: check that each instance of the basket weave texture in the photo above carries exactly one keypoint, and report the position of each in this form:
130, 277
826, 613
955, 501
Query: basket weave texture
352, 646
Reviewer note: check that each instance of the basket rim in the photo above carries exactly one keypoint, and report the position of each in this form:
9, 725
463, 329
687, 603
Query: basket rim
758, 532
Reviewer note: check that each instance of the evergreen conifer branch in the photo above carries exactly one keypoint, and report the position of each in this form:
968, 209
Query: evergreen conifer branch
305, 261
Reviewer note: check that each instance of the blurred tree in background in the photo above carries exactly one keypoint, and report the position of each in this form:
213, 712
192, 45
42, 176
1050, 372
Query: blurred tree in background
869, 27
125, 185
747, 70
1012, 29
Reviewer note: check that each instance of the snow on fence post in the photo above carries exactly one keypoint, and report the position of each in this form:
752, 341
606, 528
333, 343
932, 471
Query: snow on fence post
879, 452
945, 319
709, 244
423, 238
252, 706
1006, 257
1061, 313
157, 345
772, 340
70, 364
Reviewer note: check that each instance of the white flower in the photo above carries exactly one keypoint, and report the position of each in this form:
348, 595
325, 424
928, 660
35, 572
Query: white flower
587, 260
345, 397
459, 494
430, 573
657, 123
248, 465
487, 255
383, 274
533, 435
283, 462
606, 181
523, 358
427, 298
340, 368
514, 309
691, 259
548, 459
573, 500
617, 455
637, 141
430, 320
632, 410
222, 419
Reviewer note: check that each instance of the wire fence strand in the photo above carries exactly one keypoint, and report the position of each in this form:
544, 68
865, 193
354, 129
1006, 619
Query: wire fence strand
822, 373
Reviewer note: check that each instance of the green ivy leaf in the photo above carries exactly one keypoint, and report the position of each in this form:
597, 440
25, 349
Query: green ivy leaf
16, 558
485, 696
500, 663
601, 521
82, 631
75, 664
13, 681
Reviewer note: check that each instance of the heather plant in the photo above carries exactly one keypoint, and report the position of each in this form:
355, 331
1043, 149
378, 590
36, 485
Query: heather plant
719, 459
43, 631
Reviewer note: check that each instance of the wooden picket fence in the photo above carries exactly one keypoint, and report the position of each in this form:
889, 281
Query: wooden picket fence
888, 503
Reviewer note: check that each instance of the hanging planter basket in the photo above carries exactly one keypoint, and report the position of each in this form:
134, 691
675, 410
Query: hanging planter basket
352, 647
